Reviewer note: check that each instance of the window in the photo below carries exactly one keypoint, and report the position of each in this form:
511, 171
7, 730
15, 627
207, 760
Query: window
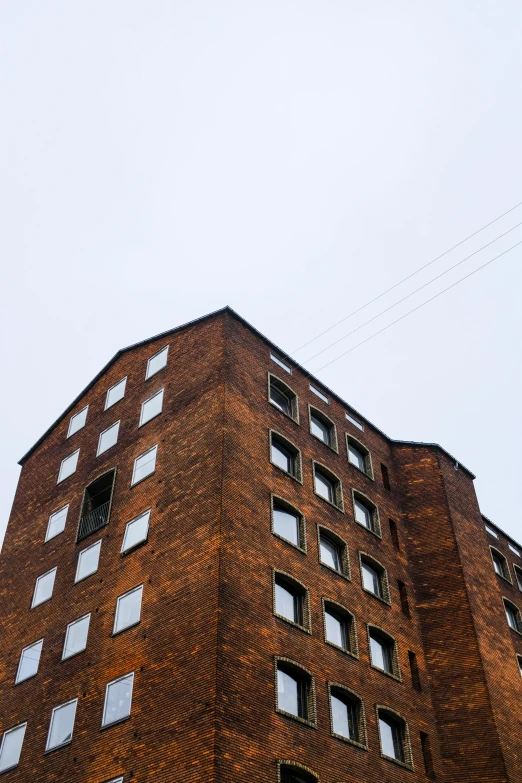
282, 397
151, 407
294, 691
518, 576
56, 523
491, 531
288, 523
333, 552
385, 477
285, 456
366, 514
62, 725
383, 652
519, 661
77, 421
403, 596
513, 616
144, 465
374, 578
339, 627
128, 610
136, 532
500, 564
322, 396
115, 393
118, 700
346, 714
281, 363
76, 637
288, 773
108, 438
68, 466
393, 737
359, 456
354, 422
43, 588
88, 561
414, 671
515, 550
394, 535
328, 486
96, 505
426, 755
157, 362
29, 661
11, 747
323, 428
291, 600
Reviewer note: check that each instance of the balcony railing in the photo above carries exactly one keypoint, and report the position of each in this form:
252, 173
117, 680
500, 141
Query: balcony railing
93, 521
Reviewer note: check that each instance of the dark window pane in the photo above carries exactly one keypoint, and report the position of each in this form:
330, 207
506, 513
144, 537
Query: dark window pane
281, 399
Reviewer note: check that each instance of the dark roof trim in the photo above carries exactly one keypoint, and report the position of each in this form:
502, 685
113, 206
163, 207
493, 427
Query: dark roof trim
503, 532
268, 342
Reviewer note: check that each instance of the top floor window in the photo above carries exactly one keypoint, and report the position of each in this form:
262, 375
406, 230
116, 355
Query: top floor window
281, 363
115, 393
354, 422
77, 421
515, 550
68, 466
157, 362
322, 396
491, 531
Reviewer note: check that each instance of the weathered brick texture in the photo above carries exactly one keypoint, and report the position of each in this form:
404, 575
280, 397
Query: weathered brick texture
204, 702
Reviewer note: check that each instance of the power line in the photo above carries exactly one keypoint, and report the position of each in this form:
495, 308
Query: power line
371, 301
418, 307
412, 293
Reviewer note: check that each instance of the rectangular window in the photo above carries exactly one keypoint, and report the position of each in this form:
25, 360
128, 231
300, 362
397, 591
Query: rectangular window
281, 363
392, 737
118, 700
336, 628
157, 362
68, 466
414, 669
514, 550
345, 715
518, 576
151, 407
115, 393
144, 465
491, 531
62, 725
385, 477
354, 422
128, 610
136, 532
76, 637
322, 396
88, 561
77, 421
43, 588
328, 486
381, 649
293, 691
108, 438
403, 595
11, 747
56, 524
426, 755
29, 661
371, 580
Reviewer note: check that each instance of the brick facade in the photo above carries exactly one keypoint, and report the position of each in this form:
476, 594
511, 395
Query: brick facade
204, 654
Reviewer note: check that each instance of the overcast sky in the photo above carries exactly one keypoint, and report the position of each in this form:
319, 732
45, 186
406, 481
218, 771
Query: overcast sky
292, 159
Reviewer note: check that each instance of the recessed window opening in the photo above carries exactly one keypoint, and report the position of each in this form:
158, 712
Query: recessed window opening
285, 456
288, 524
77, 421
518, 576
322, 428
76, 637
513, 616
515, 550
346, 712
394, 535
144, 465
11, 747
385, 477
293, 691
500, 564
281, 363
382, 650
333, 553
128, 610
96, 505
136, 532
403, 597
519, 661
29, 661
282, 397
372, 579
118, 700
491, 531
56, 523
290, 774
322, 396
414, 671
108, 438
339, 628
115, 393
151, 407
426, 755
365, 514
392, 736
328, 486
43, 588
68, 466
356, 457
157, 362
289, 598
88, 560
354, 422
62, 725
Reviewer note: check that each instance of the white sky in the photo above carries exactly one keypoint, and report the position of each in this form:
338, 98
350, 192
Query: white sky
292, 159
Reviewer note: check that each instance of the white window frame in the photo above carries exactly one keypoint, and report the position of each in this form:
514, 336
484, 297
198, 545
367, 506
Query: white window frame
55, 709
66, 656
281, 363
72, 431
49, 521
2, 745
115, 629
107, 396
64, 462
116, 425
113, 682
322, 396
148, 373
28, 647
145, 402
137, 481
38, 578
91, 546
130, 522
491, 531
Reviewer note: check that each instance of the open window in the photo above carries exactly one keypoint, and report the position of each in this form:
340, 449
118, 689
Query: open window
96, 505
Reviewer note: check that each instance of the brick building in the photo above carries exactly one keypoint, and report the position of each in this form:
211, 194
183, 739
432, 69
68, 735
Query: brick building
216, 570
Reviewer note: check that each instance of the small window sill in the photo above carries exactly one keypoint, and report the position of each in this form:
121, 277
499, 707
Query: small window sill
287, 415
515, 630
57, 747
20, 682
343, 650
143, 424
127, 628
286, 473
402, 764
294, 625
375, 533
74, 655
290, 543
134, 548
8, 769
361, 472
327, 445
139, 481
334, 571
391, 675
349, 741
329, 502
114, 723
302, 721
505, 578
377, 598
